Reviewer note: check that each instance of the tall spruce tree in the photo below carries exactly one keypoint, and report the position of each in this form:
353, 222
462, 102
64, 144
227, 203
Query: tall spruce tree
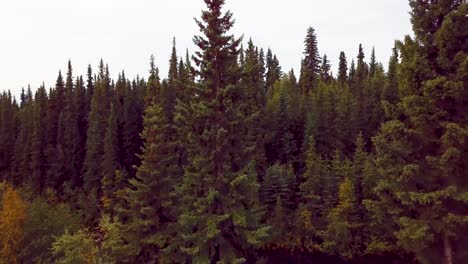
325, 73
279, 199
342, 69
56, 107
98, 120
82, 103
352, 74
390, 91
153, 207
22, 149
219, 222
321, 120
310, 71
252, 84
372, 64
89, 85
340, 233
359, 89
110, 163
273, 73
312, 211
8, 129
346, 129
39, 140
163, 170
421, 154
71, 133
131, 125
154, 85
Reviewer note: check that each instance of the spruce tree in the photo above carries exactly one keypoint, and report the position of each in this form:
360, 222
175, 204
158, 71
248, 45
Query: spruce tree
340, 169
374, 108
283, 141
342, 69
310, 71
372, 64
390, 91
8, 129
273, 73
57, 101
346, 129
22, 149
152, 206
361, 69
82, 103
312, 211
360, 160
71, 133
39, 140
352, 74
110, 163
131, 125
154, 85
321, 119
325, 73
279, 182
421, 154
89, 86
98, 120
339, 236
56, 107
359, 89
219, 222
278, 194
252, 84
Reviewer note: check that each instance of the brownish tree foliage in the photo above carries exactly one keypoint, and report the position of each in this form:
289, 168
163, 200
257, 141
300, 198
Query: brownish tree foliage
12, 217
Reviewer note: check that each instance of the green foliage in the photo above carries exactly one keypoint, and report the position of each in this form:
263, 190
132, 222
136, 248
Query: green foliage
111, 155
419, 166
151, 205
114, 247
321, 120
342, 69
312, 210
339, 236
283, 110
105, 245
218, 219
273, 69
77, 248
325, 73
229, 157
22, 145
279, 182
45, 221
39, 140
390, 92
311, 64
96, 132
8, 129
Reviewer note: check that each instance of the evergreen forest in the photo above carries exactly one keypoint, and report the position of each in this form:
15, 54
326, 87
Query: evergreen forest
233, 159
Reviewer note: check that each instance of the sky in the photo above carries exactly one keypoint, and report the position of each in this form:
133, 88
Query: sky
39, 37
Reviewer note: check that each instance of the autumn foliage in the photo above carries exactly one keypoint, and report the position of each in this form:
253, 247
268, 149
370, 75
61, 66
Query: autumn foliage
12, 217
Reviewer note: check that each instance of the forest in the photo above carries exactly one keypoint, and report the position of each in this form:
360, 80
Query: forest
232, 159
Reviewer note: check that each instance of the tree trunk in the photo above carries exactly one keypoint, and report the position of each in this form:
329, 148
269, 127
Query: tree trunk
447, 250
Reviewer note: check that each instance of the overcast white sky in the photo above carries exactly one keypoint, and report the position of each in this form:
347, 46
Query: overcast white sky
39, 36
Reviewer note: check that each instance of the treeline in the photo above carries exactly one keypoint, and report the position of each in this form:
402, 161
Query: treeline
232, 160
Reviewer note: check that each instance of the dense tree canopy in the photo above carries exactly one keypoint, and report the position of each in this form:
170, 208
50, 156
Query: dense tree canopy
230, 159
